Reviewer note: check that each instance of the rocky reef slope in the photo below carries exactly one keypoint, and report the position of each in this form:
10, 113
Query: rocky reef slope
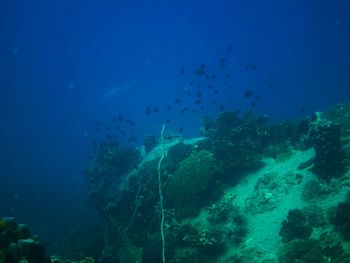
247, 191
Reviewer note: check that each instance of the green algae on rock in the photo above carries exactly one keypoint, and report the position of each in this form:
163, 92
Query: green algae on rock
195, 177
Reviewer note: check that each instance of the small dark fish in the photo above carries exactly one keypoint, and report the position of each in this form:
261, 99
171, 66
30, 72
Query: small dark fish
97, 123
210, 86
191, 84
168, 108
117, 128
108, 128
194, 111
271, 84
223, 62
148, 110
214, 76
168, 121
177, 100
253, 104
250, 66
201, 70
229, 49
184, 110
120, 118
181, 129
257, 97
216, 92
182, 70
155, 110
114, 119
230, 86
132, 139
213, 102
97, 128
227, 76
188, 93
248, 94
221, 108
199, 95
132, 123
198, 101
207, 77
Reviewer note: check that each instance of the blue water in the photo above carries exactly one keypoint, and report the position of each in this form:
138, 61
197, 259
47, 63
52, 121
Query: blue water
66, 64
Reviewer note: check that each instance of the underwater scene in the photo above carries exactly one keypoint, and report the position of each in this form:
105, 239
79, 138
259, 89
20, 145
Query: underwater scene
181, 131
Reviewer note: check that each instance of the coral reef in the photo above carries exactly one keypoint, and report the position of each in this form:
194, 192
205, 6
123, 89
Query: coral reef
195, 177
233, 139
330, 160
107, 172
340, 218
18, 245
227, 217
325, 249
175, 155
225, 194
339, 114
295, 226
313, 190
58, 259
315, 215
263, 198
149, 141
302, 251
241, 142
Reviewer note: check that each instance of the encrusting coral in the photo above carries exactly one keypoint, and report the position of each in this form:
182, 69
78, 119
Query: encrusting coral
194, 177
330, 160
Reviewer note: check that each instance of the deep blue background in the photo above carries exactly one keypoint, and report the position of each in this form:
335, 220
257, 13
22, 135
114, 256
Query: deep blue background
65, 64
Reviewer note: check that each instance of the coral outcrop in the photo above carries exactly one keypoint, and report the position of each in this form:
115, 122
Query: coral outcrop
226, 194
330, 160
195, 177
340, 218
295, 226
18, 245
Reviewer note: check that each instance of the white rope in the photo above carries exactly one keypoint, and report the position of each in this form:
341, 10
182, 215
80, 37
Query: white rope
161, 195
